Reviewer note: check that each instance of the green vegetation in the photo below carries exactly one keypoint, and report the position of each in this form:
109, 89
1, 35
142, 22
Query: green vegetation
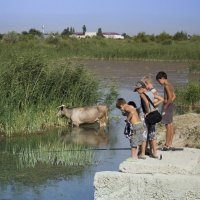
188, 98
32, 88
194, 68
42, 157
37, 74
142, 46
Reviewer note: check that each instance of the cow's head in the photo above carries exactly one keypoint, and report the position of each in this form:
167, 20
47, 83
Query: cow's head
61, 111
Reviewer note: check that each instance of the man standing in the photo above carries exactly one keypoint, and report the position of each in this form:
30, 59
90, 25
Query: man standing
167, 113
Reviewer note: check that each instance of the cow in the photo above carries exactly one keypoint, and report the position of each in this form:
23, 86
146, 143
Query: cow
82, 115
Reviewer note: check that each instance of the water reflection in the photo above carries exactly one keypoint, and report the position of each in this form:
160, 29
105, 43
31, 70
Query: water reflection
85, 136
43, 158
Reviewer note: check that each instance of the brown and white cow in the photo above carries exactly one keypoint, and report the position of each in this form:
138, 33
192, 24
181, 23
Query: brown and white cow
82, 115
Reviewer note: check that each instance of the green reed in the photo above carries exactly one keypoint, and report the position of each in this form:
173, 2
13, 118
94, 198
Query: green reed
188, 97
107, 48
32, 89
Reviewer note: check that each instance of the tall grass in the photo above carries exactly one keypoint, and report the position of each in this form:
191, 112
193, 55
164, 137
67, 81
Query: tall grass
108, 48
188, 97
32, 89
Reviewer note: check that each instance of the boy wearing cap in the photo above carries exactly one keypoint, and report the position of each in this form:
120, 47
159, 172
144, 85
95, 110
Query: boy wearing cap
167, 115
137, 128
140, 87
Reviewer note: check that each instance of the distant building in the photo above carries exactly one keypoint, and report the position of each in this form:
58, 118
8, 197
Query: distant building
111, 35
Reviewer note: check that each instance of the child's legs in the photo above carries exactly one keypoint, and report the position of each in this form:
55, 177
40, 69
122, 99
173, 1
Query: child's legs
154, 147
134, 152
143, 148
169, 134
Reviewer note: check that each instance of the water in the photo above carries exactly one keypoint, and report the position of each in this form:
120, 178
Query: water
42, 181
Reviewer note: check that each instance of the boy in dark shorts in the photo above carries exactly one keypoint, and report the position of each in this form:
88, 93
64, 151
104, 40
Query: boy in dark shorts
167, 114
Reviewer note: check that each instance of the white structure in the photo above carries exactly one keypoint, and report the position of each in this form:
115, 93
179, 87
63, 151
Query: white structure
90, 34
110, 35
113, 35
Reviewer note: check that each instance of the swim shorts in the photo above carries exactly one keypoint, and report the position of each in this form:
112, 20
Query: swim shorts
167, 117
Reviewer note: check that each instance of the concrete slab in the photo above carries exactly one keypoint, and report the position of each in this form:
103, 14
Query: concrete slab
176, 176
173, 162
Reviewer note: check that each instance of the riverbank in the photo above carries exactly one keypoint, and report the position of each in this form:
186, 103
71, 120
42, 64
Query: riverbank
176, 176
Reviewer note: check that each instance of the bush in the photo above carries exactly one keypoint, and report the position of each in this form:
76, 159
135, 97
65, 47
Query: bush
188, 97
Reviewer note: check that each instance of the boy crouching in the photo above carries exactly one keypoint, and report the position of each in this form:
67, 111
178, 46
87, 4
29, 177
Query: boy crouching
134, 129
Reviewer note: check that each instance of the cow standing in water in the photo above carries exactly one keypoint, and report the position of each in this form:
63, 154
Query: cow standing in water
84, 115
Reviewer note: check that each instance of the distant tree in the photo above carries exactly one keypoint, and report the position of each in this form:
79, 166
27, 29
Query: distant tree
72, 30
163, 36
24, 33
1, 36
180, 36
152, 37
141, 37
68, 31
99, 33
65, 32
35, 32
125, 35
84, 29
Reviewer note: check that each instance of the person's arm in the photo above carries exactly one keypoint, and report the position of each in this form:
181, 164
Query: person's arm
159, 100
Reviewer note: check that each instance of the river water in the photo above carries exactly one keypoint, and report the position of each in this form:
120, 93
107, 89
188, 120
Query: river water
27, 165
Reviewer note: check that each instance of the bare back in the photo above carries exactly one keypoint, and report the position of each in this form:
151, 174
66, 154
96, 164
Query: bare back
132, 114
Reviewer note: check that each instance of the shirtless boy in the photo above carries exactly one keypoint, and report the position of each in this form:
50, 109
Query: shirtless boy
137, 127
167, 118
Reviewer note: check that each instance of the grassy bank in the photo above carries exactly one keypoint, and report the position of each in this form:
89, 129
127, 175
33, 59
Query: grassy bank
32, 88
101, 48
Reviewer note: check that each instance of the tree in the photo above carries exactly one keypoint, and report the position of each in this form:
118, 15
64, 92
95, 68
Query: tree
180, 36
84, 29
141, 37
35, 32
125, 35
99, 33
163, 36
65, 32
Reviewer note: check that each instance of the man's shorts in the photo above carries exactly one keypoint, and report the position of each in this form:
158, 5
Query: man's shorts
167, 118
137, 137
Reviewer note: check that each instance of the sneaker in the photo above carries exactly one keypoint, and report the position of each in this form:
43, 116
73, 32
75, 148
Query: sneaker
166, 148
141, 157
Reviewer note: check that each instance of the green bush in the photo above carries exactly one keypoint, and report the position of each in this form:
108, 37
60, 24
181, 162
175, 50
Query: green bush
188, 97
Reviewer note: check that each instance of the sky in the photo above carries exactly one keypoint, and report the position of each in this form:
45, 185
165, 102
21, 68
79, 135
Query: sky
120, 16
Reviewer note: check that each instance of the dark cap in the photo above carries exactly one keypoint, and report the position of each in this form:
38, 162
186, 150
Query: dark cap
139, 84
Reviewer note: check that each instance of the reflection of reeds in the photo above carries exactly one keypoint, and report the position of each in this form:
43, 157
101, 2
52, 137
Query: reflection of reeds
46, 149
54, 155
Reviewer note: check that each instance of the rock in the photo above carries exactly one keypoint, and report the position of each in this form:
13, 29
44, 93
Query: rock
186, 131
176, 176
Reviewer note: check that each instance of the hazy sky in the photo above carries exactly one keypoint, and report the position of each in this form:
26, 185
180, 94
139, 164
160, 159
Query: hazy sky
122, 16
